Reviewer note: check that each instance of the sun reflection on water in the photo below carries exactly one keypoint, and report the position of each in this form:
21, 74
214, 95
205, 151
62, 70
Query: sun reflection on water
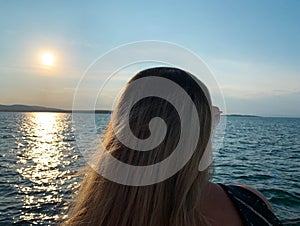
44, 153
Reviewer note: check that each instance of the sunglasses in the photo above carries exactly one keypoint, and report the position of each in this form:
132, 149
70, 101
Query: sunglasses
216, 113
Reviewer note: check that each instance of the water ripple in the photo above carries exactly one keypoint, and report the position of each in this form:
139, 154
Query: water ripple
39, 161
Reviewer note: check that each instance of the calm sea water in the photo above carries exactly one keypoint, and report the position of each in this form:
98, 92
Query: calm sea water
39, 158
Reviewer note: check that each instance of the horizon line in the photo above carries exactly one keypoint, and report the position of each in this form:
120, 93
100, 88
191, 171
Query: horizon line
38, 108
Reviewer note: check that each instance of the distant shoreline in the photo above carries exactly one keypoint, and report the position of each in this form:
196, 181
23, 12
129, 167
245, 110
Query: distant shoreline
241, 115
26, 108
90, 111
62, 111
98, 112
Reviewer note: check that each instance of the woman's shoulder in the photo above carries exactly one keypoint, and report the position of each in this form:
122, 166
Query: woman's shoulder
218, 208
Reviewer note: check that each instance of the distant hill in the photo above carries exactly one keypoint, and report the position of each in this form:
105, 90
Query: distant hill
26, 108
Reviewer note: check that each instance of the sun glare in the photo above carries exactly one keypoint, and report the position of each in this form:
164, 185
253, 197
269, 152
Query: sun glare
48, 59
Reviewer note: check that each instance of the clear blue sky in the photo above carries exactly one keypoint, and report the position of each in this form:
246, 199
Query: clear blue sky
252, 47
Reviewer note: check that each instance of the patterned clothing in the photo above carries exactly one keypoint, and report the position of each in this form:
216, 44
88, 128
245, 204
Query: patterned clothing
252, 209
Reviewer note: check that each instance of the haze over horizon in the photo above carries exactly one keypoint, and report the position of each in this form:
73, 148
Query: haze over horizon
252, 48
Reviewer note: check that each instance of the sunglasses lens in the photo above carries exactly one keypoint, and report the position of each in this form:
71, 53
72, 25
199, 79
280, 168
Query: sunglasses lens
216, 112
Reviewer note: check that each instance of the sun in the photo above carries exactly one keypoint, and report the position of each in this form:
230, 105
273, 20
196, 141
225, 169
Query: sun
48, 59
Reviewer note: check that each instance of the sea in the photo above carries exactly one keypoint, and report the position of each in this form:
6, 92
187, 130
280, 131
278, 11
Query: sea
39, 161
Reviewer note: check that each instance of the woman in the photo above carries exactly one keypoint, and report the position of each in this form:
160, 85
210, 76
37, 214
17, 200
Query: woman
185, 198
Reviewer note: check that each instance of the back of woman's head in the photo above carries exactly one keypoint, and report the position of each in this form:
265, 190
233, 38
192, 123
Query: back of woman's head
172, 201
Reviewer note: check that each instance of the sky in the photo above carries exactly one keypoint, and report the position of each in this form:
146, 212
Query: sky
252, 47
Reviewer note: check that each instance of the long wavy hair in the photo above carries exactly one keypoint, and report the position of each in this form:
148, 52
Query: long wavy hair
175, 201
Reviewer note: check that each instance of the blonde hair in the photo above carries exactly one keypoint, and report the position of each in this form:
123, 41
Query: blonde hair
174, 201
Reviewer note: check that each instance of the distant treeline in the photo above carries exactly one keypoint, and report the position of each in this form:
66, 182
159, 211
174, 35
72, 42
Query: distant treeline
26, 108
